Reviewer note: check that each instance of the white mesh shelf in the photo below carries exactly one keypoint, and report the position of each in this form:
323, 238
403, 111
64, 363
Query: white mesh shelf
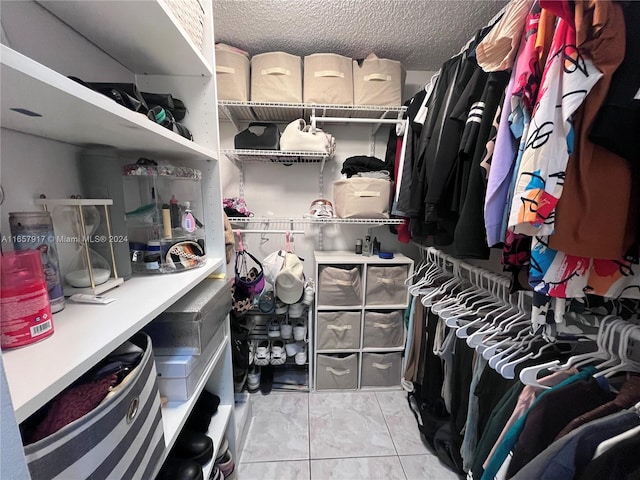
275, 156
316, 221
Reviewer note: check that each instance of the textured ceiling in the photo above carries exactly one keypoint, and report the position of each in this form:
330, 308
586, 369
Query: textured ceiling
420, 33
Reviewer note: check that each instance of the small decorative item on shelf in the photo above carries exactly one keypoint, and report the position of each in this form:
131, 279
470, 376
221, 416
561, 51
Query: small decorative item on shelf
164, 208
76, 221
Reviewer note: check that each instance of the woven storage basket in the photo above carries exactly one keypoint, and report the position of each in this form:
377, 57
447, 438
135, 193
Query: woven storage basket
190, 14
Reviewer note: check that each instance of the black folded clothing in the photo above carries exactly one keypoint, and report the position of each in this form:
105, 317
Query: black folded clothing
362, 163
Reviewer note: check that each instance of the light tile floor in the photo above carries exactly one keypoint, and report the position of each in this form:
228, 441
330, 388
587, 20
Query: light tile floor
336, 436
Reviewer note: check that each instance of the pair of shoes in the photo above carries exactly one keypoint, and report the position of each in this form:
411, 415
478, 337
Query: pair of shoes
270, 352
194, 446
301, 356
309, 292
224, 461
279, 328
297, 310
297, 350
300, 330
175, 468
253, 379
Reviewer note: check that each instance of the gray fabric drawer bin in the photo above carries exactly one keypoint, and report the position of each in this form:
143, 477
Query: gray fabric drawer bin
383, 329
381, 369
336, 372
187, 326
338, 330
339, 287
385, 285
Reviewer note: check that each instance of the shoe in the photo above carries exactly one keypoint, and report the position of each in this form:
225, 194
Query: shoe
273, 328
286, 329
226, 465
194, 446
278, 353
224, 446
253, 379
301, 356
208, 401
175, 468
216, 474
281, 308
252, 351
199, 420
239, 379
309, 292
263, 353
266, 380
296, 310
292, 348
300, 330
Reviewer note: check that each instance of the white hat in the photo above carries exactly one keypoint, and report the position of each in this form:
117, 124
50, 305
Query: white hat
290, 280
272, 264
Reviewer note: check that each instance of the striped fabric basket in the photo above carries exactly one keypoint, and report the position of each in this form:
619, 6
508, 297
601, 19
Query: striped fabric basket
123, 438
190, 14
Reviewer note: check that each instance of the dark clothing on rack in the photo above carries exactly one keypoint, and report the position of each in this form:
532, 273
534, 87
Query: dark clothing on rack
550, 414
462, 374
569, 455
470, 238
496, 422
622, 462
490, 390
628, 396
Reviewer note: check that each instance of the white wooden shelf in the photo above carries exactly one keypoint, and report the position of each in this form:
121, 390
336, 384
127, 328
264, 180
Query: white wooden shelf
241, 112
85, 334
216, 432
69, 112
352, 258
144, 36
174, 414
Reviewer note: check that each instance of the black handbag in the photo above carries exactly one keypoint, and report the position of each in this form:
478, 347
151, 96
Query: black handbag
268, 139
126, 94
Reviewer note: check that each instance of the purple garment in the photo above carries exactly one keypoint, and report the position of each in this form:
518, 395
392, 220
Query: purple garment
500, 174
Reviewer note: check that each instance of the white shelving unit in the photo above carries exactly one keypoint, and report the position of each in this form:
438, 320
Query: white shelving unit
338, 258
148, 46
242, 156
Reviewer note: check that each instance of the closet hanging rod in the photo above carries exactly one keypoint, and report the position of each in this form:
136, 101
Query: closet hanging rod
391, 121
279, 232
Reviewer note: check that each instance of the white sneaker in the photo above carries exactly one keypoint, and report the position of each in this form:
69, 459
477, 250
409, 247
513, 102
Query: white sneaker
253, 380
309, 293
281, 308
263, 353
286, 328
273, 328
278, 353
296, 310
301, 356
300, 330
292, 348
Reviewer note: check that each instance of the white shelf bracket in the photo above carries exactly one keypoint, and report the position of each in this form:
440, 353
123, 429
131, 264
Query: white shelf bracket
240, 166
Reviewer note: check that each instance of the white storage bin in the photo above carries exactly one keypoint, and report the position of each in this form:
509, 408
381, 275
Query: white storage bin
232, 75
190, 14
385, 285
337, 372
362, 197
378, 81
339, 286
276, 77
383, 329
381, 369
178, 375
328, 78
338, 330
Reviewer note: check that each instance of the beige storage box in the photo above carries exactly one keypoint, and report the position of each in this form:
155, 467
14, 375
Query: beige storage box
383, 329
328, 78
378, 81
337, 372
339, 287
276, 77
338, 330
381, 369
232, 75
362, 197
385, 285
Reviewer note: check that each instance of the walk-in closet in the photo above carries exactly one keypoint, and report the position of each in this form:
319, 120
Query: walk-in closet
340, 240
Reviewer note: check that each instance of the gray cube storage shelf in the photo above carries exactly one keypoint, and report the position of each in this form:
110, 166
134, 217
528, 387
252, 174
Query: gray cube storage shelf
359, 326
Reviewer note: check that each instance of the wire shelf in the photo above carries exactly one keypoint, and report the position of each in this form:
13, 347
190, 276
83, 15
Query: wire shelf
316, 221
275, 156
236, 111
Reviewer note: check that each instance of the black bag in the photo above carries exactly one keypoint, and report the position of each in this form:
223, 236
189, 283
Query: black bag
268, 139
166, 101
126, 94
165, 118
